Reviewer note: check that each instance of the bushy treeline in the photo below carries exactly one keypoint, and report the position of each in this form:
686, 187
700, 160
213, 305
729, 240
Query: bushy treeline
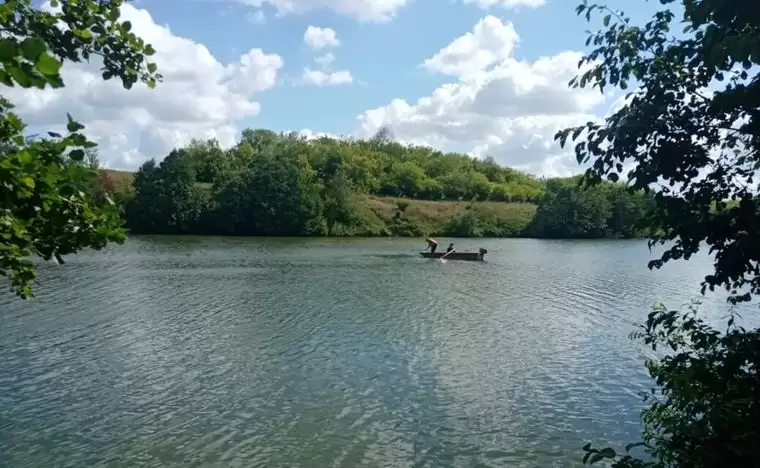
285, 185
606, 210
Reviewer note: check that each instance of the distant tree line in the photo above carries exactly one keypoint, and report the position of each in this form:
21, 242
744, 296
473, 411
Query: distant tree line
285, 185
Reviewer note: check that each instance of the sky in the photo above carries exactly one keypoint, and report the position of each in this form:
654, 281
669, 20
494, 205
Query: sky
482, 77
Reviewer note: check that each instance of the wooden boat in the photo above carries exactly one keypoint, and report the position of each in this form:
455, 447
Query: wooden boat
471, 256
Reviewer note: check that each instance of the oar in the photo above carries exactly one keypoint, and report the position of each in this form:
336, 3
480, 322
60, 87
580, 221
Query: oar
446, 255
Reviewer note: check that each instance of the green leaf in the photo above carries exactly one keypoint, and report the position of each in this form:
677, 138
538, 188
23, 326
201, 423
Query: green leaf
634, 445
152, 67
54, 134
606, 20
54, 3
24, 157
47, 65
127, 25
32, 48
113, 14
38, 82
149, 50
72, 125
5, 78
8, 50
77, 155
608, 452
85, 34
55, 82
20, 76
29, 182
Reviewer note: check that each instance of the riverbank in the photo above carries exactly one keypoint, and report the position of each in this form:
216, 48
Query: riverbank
158, 204
378, 216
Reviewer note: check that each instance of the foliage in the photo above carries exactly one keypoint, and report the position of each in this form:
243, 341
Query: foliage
283, 184
45, 204
570, 211
690, 133
700, 147
705, 412
278, 195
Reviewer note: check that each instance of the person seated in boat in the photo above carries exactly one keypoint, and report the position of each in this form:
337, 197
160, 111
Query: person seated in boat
450, 247
432, 244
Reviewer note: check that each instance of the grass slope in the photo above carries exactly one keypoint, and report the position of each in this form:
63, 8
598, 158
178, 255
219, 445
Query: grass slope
452, 218
389, 216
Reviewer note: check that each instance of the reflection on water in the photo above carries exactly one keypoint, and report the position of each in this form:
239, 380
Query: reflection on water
319, 353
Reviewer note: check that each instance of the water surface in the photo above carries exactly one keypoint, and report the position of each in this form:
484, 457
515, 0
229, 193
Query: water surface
330, 353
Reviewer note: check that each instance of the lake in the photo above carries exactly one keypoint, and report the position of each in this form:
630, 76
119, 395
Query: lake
331, 353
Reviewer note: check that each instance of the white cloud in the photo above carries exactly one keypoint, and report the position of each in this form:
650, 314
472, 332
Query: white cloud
505, 3
256, 17
327, 78
320, 38
313, 135
199, 97
490, 41
324, 75
325, 61
364, 10
497, 105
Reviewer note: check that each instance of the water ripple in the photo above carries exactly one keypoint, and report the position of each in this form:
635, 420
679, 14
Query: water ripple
328, 353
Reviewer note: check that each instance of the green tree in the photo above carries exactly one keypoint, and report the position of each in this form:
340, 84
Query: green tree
210, 161
691, 132
45, 206
567, 211
405, 179
168, 199
278, 195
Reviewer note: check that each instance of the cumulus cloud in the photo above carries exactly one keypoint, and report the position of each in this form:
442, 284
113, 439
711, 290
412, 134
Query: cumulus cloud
324, 75
505, 3
496, 105
320, 38
325, 60
363, 10
489, 42
313, 135
327, 78
256, 17
199, 97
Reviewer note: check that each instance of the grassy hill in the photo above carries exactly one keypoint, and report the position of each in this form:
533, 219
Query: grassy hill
119, 177
451, 218
390, 216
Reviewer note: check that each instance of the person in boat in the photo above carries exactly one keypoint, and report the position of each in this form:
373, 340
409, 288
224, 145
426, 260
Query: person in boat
450, 247
432, 244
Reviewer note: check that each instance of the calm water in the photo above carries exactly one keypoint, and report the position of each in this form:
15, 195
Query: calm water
329, 353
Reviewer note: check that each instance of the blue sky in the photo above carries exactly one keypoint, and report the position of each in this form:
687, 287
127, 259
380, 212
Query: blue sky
494, 81
385, 56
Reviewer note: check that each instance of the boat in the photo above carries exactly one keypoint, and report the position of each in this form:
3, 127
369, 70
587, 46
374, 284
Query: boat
471, 256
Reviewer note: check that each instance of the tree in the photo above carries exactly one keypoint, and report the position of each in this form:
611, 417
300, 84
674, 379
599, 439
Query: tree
278, 195
168, 199
45, 206
384, 135
691, 131
209, 160
567, 211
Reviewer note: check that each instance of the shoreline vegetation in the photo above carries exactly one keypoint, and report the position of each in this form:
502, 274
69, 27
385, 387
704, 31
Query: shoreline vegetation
275, 184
